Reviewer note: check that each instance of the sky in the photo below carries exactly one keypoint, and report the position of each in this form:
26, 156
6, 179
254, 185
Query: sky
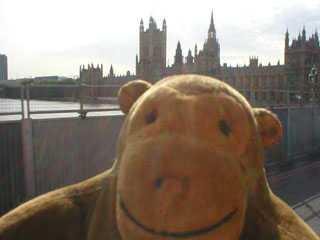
55, 37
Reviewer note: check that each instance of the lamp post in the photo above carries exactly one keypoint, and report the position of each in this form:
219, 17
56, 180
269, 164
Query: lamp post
312, 80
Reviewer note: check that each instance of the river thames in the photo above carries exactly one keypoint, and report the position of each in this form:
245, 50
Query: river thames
9, 106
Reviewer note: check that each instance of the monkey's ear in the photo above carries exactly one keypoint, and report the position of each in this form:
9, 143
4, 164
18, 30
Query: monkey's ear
130, 92
269, 126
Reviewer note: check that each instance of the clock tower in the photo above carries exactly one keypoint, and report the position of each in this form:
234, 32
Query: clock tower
151, 64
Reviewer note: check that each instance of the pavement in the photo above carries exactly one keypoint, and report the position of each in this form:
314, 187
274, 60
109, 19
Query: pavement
300, 188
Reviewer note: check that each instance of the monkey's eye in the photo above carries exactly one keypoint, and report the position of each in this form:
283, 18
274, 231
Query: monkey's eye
151, 116
224, 127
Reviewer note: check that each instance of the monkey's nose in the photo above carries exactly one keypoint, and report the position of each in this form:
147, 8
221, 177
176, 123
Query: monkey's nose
169, 192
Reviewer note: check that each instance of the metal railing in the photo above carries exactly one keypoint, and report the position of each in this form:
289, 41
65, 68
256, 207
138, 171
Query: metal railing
14, 105
49, 99
54, 99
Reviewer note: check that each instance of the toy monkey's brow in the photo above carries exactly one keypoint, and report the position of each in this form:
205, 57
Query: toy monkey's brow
176, 234
197, 90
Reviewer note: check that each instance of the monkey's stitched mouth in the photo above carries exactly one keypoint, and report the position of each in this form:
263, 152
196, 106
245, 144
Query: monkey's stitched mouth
193, 233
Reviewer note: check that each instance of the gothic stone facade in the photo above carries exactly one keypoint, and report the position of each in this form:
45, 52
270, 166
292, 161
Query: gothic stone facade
97, 86
300, 56
152, 52
255, 81
91, 76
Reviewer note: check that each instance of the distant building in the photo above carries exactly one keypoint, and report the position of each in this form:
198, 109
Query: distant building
3, 67
255, 81
207, 60
152, 52
118, 80
300, 57
258, 83
92, 76
152, 59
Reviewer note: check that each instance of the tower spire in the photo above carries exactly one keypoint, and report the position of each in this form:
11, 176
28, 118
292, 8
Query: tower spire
164, 25
152, 23
111, 73
195, 50
141, 26
316, 36
212, 30
178, 57
304, 34
287, 39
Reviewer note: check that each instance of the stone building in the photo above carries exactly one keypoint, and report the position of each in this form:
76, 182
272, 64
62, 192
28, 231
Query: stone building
117, 80
270, 84
151, 64
275, 84
299, 58
207, 60
92, 76
264, 85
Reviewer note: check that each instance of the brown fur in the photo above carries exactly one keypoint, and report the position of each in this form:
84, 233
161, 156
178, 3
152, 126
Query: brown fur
190, 154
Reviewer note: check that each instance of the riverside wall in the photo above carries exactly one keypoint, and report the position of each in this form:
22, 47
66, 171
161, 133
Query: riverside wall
40, 155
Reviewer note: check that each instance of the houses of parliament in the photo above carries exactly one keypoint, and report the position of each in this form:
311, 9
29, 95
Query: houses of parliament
256, 82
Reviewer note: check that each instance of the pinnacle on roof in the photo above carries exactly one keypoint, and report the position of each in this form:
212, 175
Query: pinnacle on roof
152, 23
164, 25
304, 33
151, 20
212, 30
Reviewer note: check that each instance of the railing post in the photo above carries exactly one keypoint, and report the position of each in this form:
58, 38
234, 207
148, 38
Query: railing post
288, 98
22, 101
288, 133
28, 157
81, 97
313, 126
313, 98
28, 101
